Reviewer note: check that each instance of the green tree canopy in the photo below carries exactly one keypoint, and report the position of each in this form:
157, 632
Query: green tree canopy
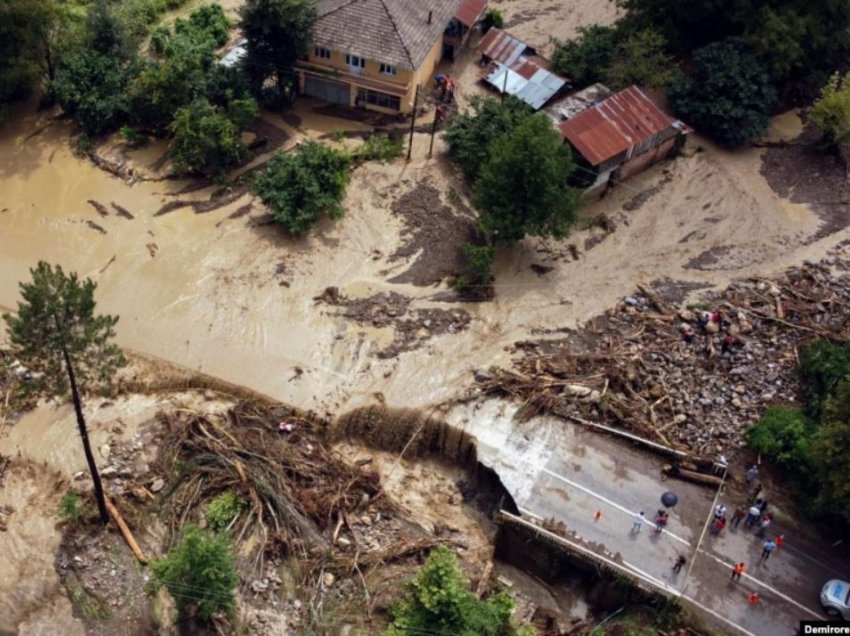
785, 435
278, 33
831, 447
438, 602
728, 93
303, 186
206, 139
523, 188
65, 345
472, 131
585, 58
640, 58
92, 87
199, 573
823, 365
24, 26
831, 111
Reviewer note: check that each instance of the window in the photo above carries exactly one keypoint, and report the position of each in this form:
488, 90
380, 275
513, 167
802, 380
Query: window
388, 69
322, 53
378, 99
355, 60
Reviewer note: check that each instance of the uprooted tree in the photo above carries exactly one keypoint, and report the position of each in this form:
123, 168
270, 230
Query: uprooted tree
65, 345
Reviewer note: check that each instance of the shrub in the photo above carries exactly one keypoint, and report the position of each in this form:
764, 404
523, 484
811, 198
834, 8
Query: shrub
380, 148
223, 509
438, 602
784, 435
199, 573
474, 282
492, 18
301, 187
823, 365
831, 111
585, 58
206, 140
209, 19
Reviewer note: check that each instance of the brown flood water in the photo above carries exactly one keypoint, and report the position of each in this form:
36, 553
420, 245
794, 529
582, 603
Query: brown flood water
235, 299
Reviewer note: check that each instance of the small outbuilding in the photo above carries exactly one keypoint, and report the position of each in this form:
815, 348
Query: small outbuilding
469, 13
620, 136
511, 66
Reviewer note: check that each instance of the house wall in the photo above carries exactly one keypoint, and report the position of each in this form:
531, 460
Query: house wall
372, 70
642, 162
425, 73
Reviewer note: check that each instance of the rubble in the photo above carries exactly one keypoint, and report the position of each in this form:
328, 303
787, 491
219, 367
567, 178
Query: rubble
634, 368
413, 327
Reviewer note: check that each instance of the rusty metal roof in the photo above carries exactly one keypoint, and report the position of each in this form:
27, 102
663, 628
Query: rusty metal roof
517, 70
616, 124
470, 12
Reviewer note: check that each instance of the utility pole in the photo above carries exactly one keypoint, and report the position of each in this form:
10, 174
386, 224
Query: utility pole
413, 121
505, 83
702, 534
438, 115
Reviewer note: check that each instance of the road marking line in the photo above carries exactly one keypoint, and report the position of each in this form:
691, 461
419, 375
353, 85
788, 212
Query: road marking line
678, 538
609, 502
765, 586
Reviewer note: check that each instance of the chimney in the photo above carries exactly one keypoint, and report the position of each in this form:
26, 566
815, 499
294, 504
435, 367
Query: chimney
430, 13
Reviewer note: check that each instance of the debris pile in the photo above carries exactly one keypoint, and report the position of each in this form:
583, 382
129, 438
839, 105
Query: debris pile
694, 378
413, 327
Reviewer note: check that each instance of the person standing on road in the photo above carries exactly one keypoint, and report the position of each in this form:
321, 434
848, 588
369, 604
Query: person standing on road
737, 570
768, 547
752, 473
765, 522
779, 540
740, 513
637, 522
752, 516
719, 511
680, 561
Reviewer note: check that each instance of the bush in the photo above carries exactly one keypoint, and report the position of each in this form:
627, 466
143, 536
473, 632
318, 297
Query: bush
728, 94
475, 281
222, 510
823, 365
438, 602
199, 573
492, 18
380, 148
472, 131
206, 140
301, 187
208, 19
585, 58
831, 111
784, 435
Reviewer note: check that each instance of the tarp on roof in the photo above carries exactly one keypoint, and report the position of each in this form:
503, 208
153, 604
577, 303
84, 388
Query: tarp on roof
624, 121
470, 12
528, 76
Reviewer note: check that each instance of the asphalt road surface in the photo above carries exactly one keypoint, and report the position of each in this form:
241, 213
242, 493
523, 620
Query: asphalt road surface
562, 471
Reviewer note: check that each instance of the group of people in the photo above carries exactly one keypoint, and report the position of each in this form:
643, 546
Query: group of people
711, 322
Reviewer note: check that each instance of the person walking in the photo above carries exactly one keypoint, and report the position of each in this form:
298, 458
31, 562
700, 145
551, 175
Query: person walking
677, 566
740, 513
637, 522
752, 516
752, 473
768, 547
737, 570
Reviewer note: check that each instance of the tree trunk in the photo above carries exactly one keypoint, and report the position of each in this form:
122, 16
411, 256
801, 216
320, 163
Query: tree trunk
84, 434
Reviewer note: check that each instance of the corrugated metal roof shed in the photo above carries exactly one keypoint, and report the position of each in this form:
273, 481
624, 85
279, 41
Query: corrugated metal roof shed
528, 75
470, 12
625, 120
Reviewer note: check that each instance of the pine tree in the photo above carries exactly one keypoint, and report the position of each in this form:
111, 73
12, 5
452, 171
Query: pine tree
58, 337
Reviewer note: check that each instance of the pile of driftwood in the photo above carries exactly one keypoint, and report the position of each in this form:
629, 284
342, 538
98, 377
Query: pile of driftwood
662, 372
295, 488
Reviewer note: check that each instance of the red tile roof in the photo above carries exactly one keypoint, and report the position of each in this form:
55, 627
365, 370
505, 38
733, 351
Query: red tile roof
470, 11
616, 124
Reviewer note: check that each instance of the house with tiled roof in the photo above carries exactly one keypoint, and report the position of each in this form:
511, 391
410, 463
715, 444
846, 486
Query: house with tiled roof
373, 53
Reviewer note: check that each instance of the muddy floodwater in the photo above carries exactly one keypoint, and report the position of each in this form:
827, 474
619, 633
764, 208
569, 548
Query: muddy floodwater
228, 293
